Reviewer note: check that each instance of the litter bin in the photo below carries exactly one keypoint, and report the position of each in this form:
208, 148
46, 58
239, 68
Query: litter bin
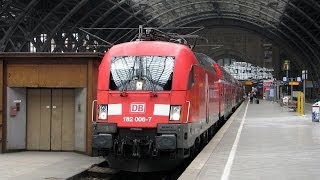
315, 111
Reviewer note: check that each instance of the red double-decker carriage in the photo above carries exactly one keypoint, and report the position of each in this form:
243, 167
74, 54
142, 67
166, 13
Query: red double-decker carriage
157, 102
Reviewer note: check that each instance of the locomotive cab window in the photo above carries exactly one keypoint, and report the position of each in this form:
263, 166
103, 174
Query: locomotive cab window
205, 61
112, 85
147, 73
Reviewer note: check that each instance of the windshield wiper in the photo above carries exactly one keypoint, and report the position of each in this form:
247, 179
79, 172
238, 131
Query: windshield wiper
154, 93
129, 79
164, 67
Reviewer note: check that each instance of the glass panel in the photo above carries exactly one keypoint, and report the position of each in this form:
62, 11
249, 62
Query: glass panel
148, 73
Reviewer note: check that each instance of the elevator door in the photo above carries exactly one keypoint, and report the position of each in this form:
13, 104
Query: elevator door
50, 119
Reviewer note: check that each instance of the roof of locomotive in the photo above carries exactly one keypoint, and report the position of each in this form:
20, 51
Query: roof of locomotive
184, 58
160, 48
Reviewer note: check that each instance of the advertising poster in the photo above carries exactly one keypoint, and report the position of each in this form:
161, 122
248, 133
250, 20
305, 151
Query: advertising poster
266, 86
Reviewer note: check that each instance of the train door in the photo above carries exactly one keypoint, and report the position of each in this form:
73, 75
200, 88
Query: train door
221, 97
207, 98
226, 98
50, 119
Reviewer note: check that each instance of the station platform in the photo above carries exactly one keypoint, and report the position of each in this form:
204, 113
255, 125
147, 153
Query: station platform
36, 165
261, 141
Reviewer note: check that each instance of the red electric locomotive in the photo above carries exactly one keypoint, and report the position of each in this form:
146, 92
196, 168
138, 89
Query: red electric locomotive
157, 102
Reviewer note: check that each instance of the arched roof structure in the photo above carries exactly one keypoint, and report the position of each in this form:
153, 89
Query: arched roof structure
83, 25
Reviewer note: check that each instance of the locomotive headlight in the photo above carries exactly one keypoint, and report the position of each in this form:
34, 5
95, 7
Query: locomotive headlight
103, 111
175, 113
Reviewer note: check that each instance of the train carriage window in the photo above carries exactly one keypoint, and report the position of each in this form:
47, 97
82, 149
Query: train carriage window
191, 78
149, 73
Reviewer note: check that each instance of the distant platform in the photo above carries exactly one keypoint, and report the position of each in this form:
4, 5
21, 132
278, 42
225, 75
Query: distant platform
36, 165
261, 141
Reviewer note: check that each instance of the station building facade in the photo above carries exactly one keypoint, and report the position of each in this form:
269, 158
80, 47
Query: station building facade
46, 101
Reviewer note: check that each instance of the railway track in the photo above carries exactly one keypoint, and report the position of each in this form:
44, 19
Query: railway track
103, 172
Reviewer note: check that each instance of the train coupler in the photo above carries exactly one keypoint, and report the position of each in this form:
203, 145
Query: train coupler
150, 146
120, 148
173, 155
155, 152
136, 148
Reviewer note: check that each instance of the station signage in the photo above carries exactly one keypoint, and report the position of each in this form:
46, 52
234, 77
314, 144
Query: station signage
294, 83
248, 83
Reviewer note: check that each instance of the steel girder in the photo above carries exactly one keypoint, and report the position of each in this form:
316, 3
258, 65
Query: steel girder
15, 24
282, 39
62, 22
249, 6
265, 24
41, 23
286, 22
224, 53
56, 28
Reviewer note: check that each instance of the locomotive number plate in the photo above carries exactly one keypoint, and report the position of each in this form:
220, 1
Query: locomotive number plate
137, 119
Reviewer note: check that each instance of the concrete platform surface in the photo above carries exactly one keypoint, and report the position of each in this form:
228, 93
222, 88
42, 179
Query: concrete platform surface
261, 142
36, 165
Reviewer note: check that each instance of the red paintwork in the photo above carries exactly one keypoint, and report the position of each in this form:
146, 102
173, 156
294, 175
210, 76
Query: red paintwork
208, 97
230, 89
184, 58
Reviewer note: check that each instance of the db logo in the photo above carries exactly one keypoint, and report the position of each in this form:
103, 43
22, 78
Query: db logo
137, 108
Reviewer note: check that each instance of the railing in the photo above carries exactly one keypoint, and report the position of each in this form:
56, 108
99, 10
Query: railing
93, 110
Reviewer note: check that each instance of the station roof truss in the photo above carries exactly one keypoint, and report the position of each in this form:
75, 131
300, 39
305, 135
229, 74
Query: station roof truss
83, 25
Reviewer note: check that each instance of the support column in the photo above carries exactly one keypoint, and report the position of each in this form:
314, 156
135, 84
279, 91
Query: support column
89, 111
91, 95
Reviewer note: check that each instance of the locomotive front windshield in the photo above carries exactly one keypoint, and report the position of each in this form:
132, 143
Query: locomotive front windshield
147, 73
